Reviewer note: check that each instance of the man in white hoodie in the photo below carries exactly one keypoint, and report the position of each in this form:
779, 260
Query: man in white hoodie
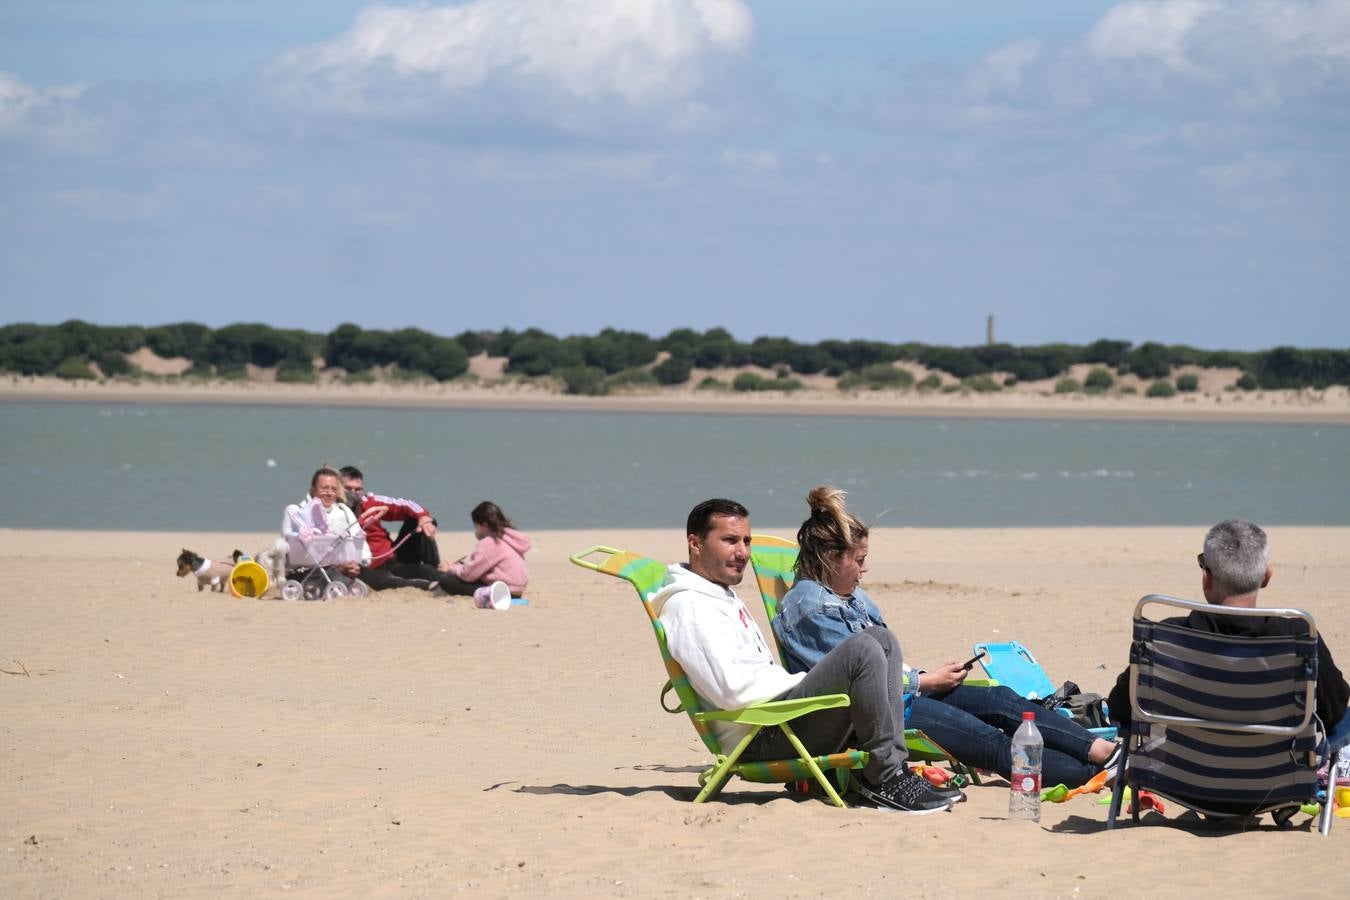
716, 641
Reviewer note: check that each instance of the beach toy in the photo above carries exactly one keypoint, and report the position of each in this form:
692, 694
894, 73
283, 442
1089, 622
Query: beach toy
1343, 802
935, 776
248, 578
494, 596
1147, 800
1059, 793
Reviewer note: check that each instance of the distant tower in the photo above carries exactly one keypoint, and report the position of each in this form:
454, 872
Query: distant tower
989, 331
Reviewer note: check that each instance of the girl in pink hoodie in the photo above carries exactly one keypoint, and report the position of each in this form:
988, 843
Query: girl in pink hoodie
498, 556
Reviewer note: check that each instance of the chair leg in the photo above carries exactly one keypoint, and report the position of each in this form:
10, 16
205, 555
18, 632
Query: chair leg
1118, 787
722, 770
810, 761
1324, 820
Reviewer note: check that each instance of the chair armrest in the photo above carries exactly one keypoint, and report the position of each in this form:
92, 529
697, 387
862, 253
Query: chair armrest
774, 712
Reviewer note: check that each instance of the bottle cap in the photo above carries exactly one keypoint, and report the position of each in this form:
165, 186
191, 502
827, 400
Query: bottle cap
1028, 716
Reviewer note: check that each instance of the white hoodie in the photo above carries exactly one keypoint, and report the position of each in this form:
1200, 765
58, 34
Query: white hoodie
720, 647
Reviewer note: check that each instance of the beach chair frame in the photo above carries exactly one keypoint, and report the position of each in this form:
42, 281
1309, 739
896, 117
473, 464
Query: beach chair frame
1222, 718
646, 576
1011, 664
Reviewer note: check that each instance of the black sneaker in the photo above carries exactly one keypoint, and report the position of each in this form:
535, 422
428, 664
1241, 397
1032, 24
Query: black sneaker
1113, 762
948, 791
905, 792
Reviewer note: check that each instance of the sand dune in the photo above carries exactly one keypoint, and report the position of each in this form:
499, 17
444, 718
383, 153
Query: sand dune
165, 742
1032, 400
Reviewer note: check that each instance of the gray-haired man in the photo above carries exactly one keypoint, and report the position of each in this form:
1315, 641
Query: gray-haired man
1236, 566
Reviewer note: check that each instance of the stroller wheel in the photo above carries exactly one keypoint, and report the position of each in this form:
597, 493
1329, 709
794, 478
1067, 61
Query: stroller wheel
313, 590
359, 588
335, 590
291, 590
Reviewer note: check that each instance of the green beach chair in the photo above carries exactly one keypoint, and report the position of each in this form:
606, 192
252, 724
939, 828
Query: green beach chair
646, 575
774, 561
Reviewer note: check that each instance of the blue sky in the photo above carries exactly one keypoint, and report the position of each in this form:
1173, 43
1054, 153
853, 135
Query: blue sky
1173, 170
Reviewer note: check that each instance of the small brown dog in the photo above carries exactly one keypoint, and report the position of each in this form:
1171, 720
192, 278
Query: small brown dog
209, 574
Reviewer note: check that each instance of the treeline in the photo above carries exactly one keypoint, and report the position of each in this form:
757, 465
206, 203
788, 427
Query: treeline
593, 363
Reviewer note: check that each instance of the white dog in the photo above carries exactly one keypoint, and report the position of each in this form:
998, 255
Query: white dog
273, 559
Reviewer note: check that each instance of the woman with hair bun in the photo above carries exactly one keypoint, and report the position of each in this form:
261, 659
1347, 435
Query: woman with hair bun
975, 724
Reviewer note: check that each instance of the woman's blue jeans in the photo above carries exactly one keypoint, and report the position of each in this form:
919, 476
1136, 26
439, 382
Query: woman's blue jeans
975, 724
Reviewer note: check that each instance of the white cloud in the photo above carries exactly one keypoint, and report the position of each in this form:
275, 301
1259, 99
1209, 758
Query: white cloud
1149, 29
559, 55
1261, 49
46, 115
1004, 70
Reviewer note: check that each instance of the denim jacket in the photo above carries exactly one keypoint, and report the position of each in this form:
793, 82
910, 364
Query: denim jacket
812, 620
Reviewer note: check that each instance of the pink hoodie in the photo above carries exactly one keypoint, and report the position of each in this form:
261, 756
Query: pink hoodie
497, 559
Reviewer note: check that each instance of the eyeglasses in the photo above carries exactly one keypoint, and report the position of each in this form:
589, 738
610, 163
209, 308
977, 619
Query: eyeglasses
1200, 558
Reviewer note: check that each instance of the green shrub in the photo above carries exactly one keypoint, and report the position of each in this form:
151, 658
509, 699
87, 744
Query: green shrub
1246, 382
1094, 391
1161, 388
712, 384
637, 377
930, 383
402, 373
232, 372
363, 377
296, 375
113, 363
1129, 389
749, 381
585, 380
877, 377
1066, 386
1187, 383
950, 388
74, 368
887, 375
675, 370
1099, 378
982, 384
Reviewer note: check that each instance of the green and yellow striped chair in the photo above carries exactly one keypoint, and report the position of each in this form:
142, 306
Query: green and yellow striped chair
774, 561
646, 575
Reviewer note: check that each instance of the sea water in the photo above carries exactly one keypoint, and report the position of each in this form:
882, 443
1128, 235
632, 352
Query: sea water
233, 468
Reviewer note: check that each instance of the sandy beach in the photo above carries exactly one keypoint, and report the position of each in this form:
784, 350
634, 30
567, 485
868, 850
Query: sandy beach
164, 742
1212, 403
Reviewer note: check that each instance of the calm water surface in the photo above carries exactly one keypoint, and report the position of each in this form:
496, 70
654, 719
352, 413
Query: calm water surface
233, 468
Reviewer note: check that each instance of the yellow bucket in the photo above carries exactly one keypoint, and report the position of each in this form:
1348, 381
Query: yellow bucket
248, 579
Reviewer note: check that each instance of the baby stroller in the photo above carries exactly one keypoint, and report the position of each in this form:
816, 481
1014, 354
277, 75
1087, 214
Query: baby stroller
314, 552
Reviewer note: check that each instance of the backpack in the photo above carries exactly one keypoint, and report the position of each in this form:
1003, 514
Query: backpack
1088, 710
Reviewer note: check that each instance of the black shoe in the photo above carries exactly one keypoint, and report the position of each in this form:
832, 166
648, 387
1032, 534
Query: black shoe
948, 791
905, 792
1113, 762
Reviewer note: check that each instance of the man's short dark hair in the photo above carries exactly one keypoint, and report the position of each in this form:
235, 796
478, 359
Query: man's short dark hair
351, 472
700, 517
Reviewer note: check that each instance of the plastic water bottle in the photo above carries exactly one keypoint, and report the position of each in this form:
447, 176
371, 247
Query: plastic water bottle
1024, 799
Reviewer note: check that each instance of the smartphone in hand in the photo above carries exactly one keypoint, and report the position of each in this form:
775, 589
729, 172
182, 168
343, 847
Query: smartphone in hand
970, 663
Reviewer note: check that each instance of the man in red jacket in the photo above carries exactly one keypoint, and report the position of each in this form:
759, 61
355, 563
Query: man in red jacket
389, 567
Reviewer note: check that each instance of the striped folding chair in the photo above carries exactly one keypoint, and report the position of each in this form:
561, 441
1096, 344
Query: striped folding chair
1222, 724
646, 575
